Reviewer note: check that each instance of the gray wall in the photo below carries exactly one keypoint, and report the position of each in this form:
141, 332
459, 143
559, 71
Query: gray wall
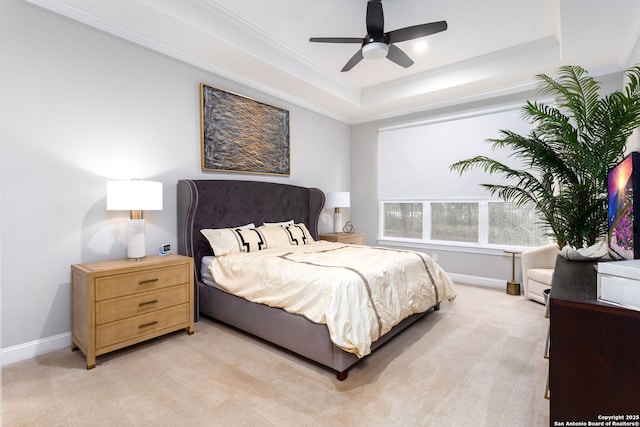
80, 107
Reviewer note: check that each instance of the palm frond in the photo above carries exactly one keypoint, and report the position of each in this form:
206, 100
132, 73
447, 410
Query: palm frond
567, 155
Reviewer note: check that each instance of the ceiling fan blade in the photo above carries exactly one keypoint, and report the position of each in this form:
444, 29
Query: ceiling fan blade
399, 57
353, 61
335, 39
375, 19
416, 31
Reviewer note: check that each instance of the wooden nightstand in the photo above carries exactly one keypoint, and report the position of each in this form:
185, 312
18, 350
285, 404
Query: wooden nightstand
351, 238
118, 303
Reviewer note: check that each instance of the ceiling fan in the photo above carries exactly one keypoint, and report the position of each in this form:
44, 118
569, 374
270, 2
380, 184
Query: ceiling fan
377, 44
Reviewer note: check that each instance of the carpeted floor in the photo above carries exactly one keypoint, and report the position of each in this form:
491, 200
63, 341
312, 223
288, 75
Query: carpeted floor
476, 362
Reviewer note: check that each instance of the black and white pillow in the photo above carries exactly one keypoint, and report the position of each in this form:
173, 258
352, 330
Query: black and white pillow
224, 241
289, 235
298, 234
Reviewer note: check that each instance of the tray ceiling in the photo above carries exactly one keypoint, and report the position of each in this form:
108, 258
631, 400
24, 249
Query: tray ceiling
487, 50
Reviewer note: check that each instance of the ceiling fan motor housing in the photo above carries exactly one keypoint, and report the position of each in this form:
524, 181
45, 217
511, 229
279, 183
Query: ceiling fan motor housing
375, 50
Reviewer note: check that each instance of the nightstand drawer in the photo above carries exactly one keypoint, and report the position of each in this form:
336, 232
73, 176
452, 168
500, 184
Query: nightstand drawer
127, 284
348, 238
355, 240
138, 326
121, 308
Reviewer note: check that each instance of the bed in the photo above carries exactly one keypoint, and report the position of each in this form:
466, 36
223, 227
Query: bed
222, 204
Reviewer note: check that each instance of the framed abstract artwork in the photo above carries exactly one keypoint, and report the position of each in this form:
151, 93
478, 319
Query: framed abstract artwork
240, 134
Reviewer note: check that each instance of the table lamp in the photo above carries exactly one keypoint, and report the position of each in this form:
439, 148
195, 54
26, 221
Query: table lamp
135, 196
337, 200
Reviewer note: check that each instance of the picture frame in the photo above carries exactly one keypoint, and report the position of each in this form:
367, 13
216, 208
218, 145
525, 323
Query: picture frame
623, 200
243, 135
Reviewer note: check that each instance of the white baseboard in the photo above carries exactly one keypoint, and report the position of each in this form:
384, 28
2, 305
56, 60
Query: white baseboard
35, 348
480, 281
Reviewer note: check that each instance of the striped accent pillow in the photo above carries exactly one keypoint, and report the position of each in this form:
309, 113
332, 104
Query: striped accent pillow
290, 235
224, 241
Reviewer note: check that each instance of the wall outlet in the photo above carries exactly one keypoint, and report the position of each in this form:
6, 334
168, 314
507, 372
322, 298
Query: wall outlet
434, 257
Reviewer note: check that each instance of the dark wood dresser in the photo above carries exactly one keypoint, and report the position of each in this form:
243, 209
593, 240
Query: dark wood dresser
594, 353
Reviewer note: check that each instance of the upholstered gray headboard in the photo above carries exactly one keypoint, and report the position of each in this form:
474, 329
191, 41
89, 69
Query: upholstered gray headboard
228, 203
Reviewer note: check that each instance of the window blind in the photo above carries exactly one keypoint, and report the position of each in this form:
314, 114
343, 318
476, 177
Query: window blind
414, 159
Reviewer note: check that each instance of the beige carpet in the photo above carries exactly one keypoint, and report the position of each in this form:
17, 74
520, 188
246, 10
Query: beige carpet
476, 362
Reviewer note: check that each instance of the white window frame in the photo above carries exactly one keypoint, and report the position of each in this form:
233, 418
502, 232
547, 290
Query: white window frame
481, 246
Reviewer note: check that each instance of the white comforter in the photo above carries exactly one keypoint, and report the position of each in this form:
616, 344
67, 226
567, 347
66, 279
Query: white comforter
359, 292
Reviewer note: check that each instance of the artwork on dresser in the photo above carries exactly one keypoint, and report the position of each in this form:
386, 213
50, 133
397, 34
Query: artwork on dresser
240, 134
623, 200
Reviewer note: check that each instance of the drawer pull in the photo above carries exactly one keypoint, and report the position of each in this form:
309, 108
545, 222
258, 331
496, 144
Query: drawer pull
146, 325
146, 282
153, 301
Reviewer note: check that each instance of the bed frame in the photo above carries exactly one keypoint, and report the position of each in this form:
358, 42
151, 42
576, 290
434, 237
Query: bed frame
229, 203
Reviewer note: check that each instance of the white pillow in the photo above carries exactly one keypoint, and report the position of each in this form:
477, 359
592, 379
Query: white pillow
278, 224
290, 235
224, 241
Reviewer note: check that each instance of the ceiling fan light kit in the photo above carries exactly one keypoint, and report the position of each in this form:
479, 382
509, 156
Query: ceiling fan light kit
375, 50
377, 44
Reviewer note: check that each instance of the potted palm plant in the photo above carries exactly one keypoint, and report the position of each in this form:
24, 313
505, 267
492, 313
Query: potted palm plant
567, 155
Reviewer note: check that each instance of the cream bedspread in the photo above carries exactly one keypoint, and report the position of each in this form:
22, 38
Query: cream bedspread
359, 292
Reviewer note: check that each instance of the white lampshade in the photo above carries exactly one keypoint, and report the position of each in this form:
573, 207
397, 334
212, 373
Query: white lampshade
134, 196
337, 200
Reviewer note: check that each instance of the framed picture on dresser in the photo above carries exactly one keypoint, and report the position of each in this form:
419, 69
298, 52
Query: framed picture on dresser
623, 202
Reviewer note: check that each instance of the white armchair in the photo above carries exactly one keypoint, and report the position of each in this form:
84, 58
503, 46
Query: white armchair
537, 270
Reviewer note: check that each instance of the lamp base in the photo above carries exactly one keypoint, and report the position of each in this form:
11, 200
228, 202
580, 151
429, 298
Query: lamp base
136, 247
513, 288
337, 222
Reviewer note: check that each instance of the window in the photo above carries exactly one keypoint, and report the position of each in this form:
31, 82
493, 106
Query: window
514, 225
477, 223
423, 201
454, 221
403, 220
